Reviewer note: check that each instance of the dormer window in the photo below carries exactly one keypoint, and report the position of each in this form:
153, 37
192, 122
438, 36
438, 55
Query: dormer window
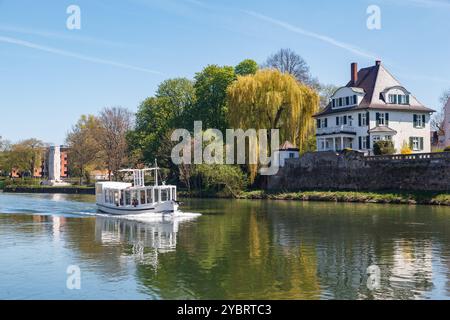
344, 101
398, 98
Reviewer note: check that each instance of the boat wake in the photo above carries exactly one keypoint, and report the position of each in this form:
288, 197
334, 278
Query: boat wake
63, 205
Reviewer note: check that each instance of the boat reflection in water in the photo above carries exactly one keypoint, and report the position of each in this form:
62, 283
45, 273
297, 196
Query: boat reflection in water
148, 237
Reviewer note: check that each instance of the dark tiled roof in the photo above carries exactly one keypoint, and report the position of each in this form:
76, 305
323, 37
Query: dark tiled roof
374, 80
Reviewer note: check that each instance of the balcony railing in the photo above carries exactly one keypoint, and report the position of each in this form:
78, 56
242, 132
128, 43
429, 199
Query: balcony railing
336, 130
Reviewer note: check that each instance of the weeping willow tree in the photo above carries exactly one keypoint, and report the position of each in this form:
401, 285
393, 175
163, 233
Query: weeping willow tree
270, 99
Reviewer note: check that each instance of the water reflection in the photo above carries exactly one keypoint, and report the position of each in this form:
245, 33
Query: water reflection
236, 250
148, 239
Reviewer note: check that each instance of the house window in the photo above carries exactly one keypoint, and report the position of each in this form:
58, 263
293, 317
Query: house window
376, 138
363, 117
321, 144
291, 155
419, 120
363, 142
382, 119
416, 143
341, 120
319, 124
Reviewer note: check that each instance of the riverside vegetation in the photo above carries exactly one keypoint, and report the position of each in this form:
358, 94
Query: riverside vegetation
278, 94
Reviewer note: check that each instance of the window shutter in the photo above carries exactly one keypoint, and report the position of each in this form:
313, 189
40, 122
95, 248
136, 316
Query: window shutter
386, 119
423, 121
367, 119
345, 119
355, 99
411, 143
377, 117
360, 142
415, 120
359, 120
326, 123
368, 142
407, 99
337, 121
318, 123
421, 143
334, 103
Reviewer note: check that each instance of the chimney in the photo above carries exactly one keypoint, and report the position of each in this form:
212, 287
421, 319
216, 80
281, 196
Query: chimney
354, 73
377, 62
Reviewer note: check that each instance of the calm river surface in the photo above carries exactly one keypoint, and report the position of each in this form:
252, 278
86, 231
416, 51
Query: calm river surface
235, 250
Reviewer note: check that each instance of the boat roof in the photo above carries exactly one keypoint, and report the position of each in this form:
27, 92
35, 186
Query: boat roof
127, 185
115, 184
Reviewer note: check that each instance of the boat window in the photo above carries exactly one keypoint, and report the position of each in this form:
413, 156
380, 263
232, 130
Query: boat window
116, 198
164, 195
134, 198
127, 198
142, 196
149, 196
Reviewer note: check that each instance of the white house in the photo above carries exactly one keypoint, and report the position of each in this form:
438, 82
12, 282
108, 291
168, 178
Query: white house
373, 106
447, 123
286, 151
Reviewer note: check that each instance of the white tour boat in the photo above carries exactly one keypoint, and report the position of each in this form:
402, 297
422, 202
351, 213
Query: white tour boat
122, 198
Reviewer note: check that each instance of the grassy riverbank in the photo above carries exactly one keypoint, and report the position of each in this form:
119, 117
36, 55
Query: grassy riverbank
399, 197
49, 189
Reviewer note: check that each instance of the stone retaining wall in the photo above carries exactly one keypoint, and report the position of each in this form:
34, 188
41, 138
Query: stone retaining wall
352, 171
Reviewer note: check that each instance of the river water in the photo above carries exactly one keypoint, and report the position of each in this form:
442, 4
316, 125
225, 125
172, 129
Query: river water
237, 249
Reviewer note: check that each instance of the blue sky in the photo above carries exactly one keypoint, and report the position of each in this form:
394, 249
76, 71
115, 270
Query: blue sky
50, 75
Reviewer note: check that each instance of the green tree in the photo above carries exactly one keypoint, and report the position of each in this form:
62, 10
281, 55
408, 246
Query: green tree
273, 100
246, 67
84, 148
5, 146
158, 116
25, 156
115, 123
383, 147
211, 92
225, 179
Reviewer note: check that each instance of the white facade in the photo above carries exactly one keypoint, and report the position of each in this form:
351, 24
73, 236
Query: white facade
280, 156
54, 164
352, 135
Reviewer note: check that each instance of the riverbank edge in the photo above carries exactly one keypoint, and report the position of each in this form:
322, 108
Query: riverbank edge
48, 189
383, 197
386, 197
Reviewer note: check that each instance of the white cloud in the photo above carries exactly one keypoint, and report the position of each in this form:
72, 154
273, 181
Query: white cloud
60, 52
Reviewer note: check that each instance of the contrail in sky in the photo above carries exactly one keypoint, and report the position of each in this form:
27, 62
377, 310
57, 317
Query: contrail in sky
60, 52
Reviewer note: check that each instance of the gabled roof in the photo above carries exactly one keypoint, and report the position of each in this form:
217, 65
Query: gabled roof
288, 146
374, 81
382, 129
